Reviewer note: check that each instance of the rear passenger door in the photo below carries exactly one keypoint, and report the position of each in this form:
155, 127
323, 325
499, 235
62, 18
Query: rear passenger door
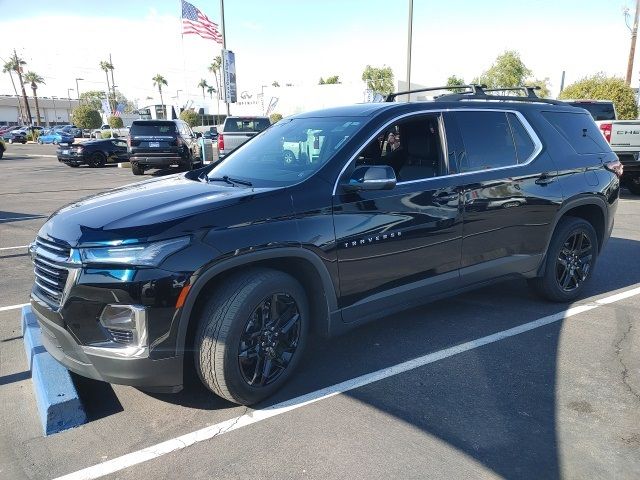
510, 192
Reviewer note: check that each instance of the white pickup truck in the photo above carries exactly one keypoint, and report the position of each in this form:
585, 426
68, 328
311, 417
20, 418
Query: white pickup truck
113, 132
237, 130
622, 135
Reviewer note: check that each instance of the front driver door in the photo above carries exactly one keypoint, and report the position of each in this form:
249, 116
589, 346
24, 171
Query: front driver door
397, 246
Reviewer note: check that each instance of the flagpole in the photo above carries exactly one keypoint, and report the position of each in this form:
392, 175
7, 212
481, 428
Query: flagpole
224, 47
184, 60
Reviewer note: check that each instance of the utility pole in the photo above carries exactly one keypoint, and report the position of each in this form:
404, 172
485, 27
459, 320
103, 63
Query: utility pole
632, 48
224, 47
24, 92
78, 88
409, 40
562, 82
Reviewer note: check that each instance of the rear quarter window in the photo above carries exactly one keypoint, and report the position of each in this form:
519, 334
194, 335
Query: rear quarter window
579, 130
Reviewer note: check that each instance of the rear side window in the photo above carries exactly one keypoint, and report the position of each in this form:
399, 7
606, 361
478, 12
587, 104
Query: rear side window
599, 111
579, 130
524, 144
246, 124
488, 142
153, 128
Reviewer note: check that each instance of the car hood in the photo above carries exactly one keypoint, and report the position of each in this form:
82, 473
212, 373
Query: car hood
144, 211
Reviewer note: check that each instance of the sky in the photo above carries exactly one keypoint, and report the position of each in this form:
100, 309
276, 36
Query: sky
298, 41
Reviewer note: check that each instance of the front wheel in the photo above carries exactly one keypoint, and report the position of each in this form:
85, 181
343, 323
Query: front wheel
251, 335
97, 160
570, 261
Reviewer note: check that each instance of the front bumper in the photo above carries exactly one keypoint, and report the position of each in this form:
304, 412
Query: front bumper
158, 375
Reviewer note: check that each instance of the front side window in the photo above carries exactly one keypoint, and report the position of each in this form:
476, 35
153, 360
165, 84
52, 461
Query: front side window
289, 151
488, 142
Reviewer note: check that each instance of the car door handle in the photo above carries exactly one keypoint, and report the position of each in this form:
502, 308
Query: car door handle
545, 179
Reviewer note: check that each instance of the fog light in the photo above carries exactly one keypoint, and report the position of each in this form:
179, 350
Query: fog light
126, 324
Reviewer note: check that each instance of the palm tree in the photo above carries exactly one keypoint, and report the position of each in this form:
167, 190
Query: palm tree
211, 90
203, 84
8, 68
34, 79
17, 63
159, 81
215, 68
106, 66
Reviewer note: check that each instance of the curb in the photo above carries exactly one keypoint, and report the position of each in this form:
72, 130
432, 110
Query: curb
59, 406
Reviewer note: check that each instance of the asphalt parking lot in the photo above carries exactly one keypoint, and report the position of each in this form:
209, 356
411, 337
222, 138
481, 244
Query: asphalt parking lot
522, 398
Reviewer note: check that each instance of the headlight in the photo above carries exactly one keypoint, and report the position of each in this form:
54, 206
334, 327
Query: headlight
148, 254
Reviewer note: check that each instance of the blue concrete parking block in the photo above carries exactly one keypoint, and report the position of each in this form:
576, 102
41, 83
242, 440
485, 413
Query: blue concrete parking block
59, 406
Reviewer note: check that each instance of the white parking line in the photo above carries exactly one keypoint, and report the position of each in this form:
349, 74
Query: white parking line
255, 416
13, 248
13, 307
11, 154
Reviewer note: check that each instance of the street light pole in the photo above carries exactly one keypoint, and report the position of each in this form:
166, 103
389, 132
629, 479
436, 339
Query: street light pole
55, 112
632, 48
409, 41
69, 97
78, 88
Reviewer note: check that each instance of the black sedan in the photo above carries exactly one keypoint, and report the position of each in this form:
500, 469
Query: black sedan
95, 153
15, 137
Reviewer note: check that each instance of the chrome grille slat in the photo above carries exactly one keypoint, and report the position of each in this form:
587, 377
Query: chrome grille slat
50, 270
121, 336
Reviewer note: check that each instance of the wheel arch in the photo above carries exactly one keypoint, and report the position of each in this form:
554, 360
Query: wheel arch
590, 208
300, 263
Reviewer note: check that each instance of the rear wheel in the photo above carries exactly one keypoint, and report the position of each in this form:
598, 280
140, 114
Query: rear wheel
97, 160
634, 185
188, 163
251, 335
1, 152
570, 260
11, 140
136, 169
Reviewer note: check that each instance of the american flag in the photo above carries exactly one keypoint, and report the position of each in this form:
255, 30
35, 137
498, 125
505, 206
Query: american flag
196, 22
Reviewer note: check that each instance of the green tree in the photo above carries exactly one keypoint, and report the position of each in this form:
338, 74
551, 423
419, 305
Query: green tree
601, 87
115, 122
321, 81
454, 81
34, 79
94, 99
275, 117
85, 116
216, 69
9, 68
203, 85
379, 80
544, 91
275, 84
106, 67
333, 80
507, 71
159, 81
190, 117
211, 90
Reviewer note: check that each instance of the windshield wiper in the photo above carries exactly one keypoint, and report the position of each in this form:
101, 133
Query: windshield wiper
231, 181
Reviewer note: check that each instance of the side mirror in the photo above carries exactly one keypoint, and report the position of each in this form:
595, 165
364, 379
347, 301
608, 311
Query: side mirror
375, 177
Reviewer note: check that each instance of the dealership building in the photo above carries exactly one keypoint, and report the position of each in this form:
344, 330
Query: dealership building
53, 110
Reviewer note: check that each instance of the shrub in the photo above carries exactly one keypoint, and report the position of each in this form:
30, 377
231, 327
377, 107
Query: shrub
275, 117
191, 117
115, 122
84, 116
107, 134
601, 87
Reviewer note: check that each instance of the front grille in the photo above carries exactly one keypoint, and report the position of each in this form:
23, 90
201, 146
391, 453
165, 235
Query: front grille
121, 336
51, 276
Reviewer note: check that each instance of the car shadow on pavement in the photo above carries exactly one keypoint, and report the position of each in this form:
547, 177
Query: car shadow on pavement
9, 217
98, 398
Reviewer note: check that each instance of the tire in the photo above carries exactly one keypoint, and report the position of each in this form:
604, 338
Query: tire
1, 153
188, 163
288, 157
137, 170
39, 142
633, 184
55, 142
225, 325
557, 273
97, 160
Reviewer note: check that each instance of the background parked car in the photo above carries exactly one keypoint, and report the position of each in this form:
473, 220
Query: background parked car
15, 136
55, 137
95, 153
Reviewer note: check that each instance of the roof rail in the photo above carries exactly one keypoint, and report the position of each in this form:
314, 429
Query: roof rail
471, 89
529, 91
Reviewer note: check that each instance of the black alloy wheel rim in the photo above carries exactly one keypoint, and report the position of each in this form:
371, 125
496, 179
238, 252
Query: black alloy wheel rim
269, 340
574, 261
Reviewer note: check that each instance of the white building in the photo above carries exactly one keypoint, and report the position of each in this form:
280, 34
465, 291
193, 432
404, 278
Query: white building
53, 111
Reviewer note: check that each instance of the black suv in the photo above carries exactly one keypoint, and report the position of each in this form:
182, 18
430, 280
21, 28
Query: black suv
161, 144
235, 265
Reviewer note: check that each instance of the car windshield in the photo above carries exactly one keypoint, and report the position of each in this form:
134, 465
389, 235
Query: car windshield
288, 152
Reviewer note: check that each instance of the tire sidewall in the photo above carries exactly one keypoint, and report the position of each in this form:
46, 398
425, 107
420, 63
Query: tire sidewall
238, 388
568, 228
